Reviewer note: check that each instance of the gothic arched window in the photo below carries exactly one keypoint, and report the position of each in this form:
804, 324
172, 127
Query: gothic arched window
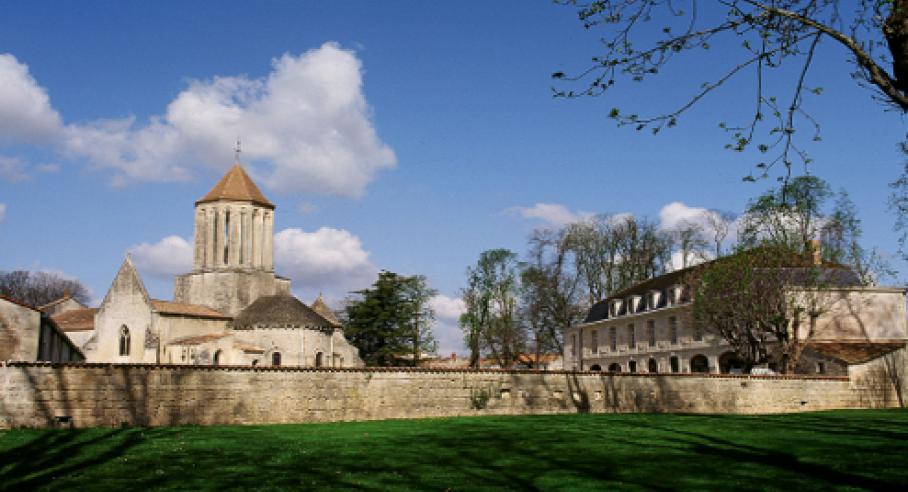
124, 340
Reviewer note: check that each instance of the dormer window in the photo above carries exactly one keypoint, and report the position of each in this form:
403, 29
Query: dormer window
675, 294
615, 307
653, 298
633, 304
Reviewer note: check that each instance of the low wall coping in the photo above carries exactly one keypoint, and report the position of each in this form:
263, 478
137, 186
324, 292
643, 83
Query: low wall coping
416, 370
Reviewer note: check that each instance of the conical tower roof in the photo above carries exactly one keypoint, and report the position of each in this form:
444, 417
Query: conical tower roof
238, 186
320, 307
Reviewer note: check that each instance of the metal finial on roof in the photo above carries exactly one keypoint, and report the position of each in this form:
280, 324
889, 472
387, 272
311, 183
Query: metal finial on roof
237, 150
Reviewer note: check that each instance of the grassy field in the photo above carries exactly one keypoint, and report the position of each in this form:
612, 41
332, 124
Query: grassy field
846, 449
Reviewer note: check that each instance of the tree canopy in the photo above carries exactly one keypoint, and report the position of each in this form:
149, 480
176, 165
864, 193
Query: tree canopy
390, 323
39, 288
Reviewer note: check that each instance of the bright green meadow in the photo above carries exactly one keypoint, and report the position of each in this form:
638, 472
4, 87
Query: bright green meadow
856, 450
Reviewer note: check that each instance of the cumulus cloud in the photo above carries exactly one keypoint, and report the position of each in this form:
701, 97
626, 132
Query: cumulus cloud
325, 259
305, 126
165, 258
446, 329
2, 211
553, 214
675, 214
26, 115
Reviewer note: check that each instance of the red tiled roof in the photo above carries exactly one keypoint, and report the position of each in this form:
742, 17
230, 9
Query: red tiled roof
236, 185
76, 319
544, 358
855, 352
198, 340
18, 302
248, 348
192, 310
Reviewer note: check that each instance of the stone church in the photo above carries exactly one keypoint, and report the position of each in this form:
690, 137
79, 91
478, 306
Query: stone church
231, 309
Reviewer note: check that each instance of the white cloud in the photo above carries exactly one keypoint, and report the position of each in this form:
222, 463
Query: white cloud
675, 214
305, 126
553, 214
447, 308
329, 259
447, 329
2, 211
165, 258
12, 169
26, 115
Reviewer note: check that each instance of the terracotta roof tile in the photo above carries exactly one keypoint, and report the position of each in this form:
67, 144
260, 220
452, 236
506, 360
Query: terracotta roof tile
18, 302
249, 348
543, 358
855, 352
320, 307
199, 339
76, 319
193, 310
236, 185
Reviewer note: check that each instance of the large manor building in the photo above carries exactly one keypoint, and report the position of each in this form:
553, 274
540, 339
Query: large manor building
649, 328
230, 309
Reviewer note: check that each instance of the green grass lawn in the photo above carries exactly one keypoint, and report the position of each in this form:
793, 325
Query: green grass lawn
844, 449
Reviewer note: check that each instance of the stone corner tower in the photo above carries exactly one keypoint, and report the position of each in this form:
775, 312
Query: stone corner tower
233, 258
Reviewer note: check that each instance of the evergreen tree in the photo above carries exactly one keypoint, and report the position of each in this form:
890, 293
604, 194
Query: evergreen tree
390, 322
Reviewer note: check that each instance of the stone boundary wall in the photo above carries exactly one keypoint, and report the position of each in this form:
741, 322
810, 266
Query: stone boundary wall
84, 395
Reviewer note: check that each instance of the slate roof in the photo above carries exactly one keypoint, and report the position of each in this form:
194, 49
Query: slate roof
828, 275
76, 319
236, 185
280, 311
191, 310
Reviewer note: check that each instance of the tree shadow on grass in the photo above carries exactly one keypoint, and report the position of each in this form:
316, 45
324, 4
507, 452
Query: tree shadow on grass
715, 448
59, 453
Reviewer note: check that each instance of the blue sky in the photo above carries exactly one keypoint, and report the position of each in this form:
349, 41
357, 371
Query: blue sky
447, 130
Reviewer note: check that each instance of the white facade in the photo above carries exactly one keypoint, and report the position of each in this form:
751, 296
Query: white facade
653, 330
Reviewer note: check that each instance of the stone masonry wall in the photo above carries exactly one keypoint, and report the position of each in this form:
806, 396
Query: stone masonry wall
37, 395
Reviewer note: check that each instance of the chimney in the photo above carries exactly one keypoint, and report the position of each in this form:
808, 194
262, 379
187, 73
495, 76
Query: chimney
817, 250
453, 356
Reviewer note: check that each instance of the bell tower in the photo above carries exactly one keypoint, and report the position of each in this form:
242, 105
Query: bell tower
233, 254
234, 226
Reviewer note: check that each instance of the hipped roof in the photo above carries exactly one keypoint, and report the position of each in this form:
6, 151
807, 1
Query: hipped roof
76, 319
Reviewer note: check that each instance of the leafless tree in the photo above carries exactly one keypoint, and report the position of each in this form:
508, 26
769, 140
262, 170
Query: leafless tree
690, 241
642, 37
39, 288
552, 296
718, 226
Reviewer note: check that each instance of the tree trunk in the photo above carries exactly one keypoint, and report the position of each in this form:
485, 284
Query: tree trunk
474, 349
896, 32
